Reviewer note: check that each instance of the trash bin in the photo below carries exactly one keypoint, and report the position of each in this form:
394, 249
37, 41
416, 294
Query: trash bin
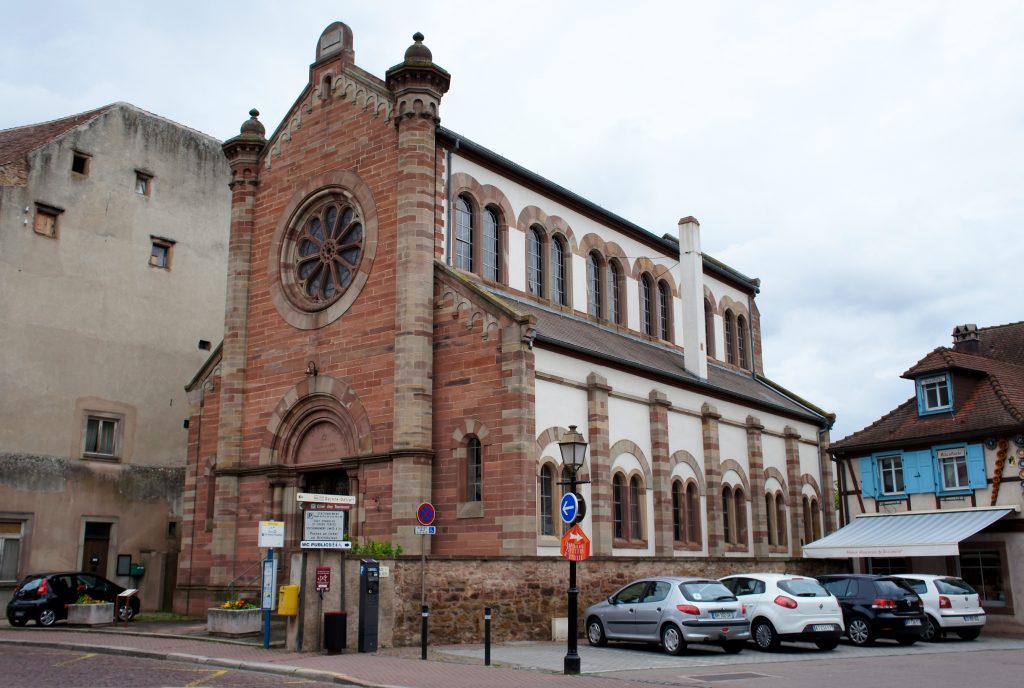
335, 631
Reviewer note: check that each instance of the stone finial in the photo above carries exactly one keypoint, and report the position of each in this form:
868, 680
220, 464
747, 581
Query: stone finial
253, 126
417, 52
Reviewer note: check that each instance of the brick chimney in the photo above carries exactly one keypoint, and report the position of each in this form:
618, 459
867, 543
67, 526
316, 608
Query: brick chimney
965, 339
691, 292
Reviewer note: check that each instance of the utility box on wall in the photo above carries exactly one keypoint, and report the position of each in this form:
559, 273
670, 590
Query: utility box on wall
369, 604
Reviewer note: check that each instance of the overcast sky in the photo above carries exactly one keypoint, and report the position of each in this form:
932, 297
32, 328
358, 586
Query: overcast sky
865, 160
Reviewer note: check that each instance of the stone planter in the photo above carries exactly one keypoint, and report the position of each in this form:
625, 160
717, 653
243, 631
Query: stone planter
233, 622
90, 614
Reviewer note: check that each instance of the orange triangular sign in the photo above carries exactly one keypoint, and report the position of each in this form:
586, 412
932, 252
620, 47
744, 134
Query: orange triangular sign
575, 544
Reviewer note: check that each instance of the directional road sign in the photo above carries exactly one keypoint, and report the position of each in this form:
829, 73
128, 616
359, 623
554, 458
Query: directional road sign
569, 507
575, 544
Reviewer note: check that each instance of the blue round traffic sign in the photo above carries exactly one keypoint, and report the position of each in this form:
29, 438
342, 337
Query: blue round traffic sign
569, 507
425, 513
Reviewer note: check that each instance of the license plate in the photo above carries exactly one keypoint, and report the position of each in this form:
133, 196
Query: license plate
972, 618
913, 622
19, 614
823, 627
723, 615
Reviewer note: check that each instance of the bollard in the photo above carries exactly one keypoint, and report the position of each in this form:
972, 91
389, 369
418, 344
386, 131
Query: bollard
487, 636
423, 632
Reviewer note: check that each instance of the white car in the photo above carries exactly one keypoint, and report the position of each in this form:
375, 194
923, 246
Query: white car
950, 604
783, 606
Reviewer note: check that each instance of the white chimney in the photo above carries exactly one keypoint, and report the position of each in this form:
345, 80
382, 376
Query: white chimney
691, 290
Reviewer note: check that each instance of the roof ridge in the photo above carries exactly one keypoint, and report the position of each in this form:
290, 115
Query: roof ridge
94, 111
994, 327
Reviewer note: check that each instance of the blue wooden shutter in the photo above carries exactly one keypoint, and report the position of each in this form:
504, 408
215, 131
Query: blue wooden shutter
976, 466
868, 484
918, 471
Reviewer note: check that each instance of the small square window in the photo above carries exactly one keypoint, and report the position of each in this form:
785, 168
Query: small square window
80, 163
933, 394
143, 183
160, 253
45, 223
101, 437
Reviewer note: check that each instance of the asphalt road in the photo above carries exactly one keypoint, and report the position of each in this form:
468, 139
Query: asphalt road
38, 667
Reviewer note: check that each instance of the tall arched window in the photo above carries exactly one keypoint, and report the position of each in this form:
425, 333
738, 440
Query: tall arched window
463, 234
730, 337
664, 309
692, 514
728, 515
535, 262
559, 272
547, 500
808, 528
474, 470
619, 506
646, 305
769, 512
636, 531
741, 516
815, 520
678, 512
492, 245
780, 520
614, 292
741, 341
709, 327
594, 285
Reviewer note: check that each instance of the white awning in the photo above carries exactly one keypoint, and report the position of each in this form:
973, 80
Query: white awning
907, 534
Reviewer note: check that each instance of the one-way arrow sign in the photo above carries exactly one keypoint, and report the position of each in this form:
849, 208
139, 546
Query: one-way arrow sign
569, 507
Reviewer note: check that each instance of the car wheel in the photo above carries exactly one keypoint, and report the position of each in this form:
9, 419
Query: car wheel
47, 617
827, 645
733, 647
931, 633
764, 635
595, 633
17, 622
125, 611
907, 639
672, 640
859, 631
969, 634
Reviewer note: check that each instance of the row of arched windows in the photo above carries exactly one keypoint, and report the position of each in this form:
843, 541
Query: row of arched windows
736, 333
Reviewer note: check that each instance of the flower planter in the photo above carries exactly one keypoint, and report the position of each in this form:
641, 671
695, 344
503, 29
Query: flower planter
233, 622
90, 614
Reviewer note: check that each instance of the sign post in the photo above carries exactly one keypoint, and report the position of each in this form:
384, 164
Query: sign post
271, 535
425, 514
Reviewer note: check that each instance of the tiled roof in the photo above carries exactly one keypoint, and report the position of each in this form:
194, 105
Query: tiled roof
996, 402
618, 348
18, 142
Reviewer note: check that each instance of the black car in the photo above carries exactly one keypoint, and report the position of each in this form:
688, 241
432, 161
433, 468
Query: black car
44, 597
877, 606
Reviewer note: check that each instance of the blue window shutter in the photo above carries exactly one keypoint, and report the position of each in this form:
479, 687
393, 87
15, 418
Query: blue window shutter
868, 484
918, 471
919, 393
976, 466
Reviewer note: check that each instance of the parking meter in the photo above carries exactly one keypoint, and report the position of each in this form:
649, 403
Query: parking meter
369, 603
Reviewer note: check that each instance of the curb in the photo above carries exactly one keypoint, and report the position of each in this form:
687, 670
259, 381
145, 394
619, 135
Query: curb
261, 667
277, 644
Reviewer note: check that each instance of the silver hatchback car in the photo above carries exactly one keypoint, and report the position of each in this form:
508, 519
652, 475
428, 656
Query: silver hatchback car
672, 611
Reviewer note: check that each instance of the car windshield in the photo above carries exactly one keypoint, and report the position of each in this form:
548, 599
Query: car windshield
892, 587
706, 591
954, 586
803, 587
30, 584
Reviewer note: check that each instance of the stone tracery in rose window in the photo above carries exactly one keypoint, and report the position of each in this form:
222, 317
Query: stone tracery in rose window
329, 249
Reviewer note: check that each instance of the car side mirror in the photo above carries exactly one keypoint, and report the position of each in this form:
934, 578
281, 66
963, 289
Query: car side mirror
611, 600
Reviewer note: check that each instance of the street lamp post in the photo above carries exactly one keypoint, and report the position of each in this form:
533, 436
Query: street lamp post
574, 450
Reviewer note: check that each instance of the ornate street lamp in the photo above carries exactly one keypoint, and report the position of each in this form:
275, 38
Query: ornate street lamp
574, 451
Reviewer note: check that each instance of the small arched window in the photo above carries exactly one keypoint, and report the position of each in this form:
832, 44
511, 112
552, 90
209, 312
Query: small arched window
709, 327
635, 504
664, 309
614, 292
769, 511
619, 506
594, 284
741, 517
678, 512
780, 520
808, 527
474, 470
692, 514
492, 245
741, 341
646, 304
463, 234
815, 520
559, 272
728, 515
547, 499
730, 337
535, 262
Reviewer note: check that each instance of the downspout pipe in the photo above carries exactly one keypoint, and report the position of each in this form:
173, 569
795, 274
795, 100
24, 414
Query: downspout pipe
448, 202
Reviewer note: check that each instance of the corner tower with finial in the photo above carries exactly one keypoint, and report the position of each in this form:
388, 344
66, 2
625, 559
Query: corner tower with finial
417, 85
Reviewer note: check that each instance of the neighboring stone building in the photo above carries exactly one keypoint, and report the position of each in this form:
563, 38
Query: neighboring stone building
934, 486
113, 246
413, 318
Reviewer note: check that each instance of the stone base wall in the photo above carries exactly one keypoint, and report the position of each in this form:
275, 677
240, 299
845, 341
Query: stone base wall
524, 594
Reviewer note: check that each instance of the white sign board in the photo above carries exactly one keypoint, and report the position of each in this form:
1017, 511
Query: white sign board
325, 498
271, 534
323, 525
267, 599
426, 530
325, 544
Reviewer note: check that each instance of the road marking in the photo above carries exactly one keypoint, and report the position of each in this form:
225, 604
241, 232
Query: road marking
215, 673
87, 655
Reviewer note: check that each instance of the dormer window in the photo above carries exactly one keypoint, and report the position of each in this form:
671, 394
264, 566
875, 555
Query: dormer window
933, 394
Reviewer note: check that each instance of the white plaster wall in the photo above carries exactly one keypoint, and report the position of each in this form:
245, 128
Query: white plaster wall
732, 444
686, 433
774, 451
562, 406
809, 462
629, 420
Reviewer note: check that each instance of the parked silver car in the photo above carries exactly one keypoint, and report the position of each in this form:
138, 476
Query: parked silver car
672, 611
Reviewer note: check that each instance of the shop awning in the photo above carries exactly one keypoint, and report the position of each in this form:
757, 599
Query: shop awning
909, 534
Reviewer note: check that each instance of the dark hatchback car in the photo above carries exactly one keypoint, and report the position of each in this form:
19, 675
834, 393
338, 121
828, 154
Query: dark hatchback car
44, 597
877, 606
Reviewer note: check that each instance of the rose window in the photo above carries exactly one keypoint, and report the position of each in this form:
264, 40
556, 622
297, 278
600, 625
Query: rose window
328, 251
